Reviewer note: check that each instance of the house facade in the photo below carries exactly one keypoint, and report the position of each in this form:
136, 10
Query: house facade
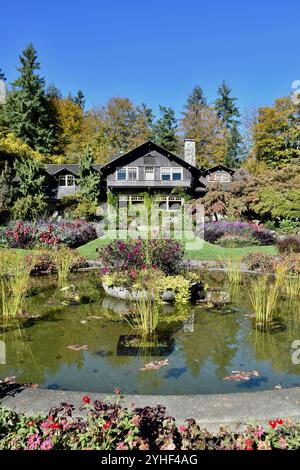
147, 168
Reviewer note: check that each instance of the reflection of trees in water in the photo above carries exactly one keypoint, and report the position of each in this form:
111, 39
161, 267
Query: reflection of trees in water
214, 338
276, 347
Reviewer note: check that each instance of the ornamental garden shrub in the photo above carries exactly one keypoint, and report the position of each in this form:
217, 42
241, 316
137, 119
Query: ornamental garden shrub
289, 244
47, 234
213, 231
45, 262
267, 263
120, 256
109, 426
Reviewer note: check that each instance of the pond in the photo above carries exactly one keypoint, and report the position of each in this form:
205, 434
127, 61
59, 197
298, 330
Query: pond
199, 349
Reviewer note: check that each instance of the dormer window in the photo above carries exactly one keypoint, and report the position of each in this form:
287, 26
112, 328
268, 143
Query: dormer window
219, 176
66, 180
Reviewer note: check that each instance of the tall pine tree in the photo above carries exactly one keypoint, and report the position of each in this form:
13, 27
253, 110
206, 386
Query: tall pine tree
80, 99
229, 114
2, 75
164, 130
89, 179
196, 98
27, 110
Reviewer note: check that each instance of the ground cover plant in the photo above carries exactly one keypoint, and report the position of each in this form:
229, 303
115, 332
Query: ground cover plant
109, 426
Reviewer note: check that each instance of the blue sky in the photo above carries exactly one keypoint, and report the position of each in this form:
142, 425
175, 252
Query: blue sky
156, 51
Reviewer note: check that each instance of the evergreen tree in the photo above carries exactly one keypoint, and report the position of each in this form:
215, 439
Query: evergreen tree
80, 99
6, 189
30, 172
225, 106
89, 179
2, 75
53, 92
235, 147
229, 114
196, 98
27, 110
164, 129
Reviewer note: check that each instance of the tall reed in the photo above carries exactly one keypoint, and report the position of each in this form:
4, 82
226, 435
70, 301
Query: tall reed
15, 277
64, 259
264, 296
233, 271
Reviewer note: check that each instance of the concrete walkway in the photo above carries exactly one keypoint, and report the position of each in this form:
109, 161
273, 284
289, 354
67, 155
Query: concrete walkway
210, 411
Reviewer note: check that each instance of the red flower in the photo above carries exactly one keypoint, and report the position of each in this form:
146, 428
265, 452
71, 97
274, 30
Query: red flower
117, 391
54, 426
279, 421
273, 424
30, 423
106, 425
86, 400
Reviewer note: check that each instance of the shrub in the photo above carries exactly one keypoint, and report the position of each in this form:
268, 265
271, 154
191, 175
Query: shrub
109, 426
289, 244
263, 262
166, 255
29, 207
266, 263
289, 226
213, 231
47, 234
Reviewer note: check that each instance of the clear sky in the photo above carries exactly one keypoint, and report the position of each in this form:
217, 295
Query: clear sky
156, 51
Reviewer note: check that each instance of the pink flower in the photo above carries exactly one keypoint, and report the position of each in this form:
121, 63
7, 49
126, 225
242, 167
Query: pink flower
47, 444
182, 428
121, 446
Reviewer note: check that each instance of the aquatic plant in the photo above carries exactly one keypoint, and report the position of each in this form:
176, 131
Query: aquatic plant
233, 271
64, 259
14, 277
263, 296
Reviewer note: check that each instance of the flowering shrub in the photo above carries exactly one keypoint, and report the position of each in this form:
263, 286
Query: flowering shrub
213, 231
29, 235
109, 426
119, 256
267, 263
232, 240
289, 244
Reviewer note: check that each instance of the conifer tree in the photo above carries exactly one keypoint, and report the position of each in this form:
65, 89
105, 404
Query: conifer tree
27, 111
80, 99
2, 75
164, 129
89, 179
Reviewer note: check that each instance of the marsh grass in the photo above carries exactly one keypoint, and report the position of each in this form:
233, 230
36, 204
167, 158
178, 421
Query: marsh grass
291, 286
264, 295
145, 315
14, 279
233, 271
64, 259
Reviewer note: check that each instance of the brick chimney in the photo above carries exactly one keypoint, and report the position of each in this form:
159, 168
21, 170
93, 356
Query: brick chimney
190, 151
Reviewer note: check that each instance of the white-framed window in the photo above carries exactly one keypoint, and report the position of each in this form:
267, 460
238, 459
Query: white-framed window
66, 180
149, 173
171, 174
219, 176
128, 173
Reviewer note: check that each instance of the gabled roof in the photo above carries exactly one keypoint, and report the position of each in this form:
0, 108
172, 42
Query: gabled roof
74, 168
142, 149
218, 167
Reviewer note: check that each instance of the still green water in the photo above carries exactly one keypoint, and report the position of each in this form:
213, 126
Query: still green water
202, 347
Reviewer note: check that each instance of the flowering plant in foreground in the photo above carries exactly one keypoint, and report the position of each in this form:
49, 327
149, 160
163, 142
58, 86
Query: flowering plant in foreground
132, 255
109, 426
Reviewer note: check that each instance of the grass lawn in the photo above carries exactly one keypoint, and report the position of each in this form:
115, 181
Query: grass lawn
198, 250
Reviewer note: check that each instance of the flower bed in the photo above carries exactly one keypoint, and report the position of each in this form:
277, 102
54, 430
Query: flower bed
232, 231
109, 426
47, 234
165, 254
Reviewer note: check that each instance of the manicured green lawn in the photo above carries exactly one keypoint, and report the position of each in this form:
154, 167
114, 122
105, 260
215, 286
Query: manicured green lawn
197, 249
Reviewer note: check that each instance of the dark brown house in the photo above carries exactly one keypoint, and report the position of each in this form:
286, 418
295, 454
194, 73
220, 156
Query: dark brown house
147, 168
